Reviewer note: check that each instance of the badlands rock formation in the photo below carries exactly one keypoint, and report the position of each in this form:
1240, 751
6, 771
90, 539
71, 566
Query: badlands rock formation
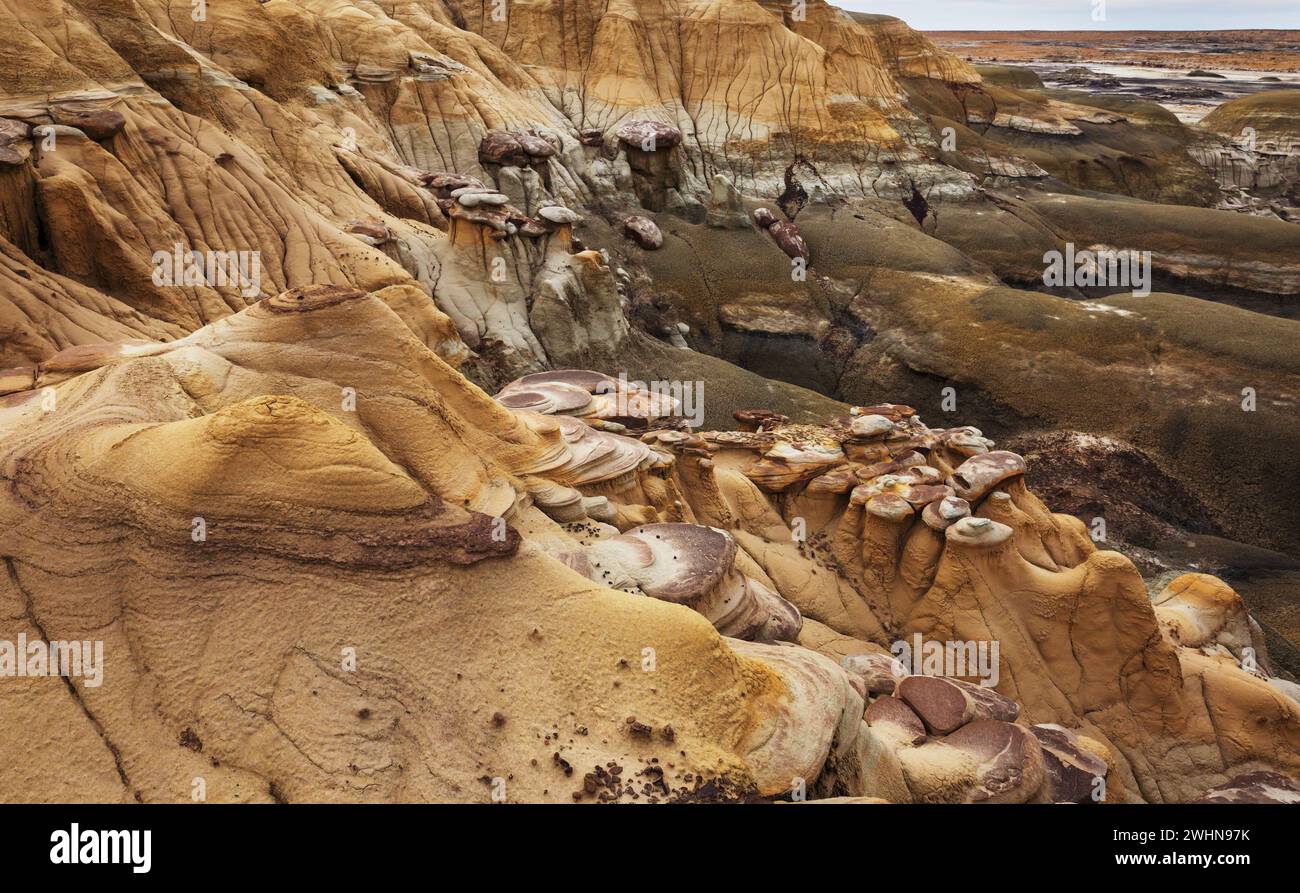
420, 406
1261, 157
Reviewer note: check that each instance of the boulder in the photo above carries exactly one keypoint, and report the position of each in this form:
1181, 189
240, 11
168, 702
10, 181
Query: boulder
1073, 771
1009, 760
558, 215
946, 705
871, 426
787, 237
979, 474
891, 717
644, 231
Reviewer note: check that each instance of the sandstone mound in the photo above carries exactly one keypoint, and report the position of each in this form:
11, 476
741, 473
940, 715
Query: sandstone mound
261, 540
274, 514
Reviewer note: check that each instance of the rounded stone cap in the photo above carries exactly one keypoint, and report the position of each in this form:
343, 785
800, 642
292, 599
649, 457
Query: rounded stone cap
978, 532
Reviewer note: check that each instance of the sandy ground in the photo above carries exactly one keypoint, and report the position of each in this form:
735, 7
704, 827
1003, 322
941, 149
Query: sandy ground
1261, 50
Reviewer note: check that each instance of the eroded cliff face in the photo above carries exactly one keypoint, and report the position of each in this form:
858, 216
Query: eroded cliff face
261, 270
748, 85
1255, 152
362, 578
192, 135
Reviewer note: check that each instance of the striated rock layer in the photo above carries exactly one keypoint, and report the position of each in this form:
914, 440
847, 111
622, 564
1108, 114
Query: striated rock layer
364, 395
316, 591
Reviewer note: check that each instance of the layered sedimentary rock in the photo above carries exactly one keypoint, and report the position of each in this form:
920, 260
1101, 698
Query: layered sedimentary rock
395, 491
404, 472
261, 272
684, 65
1258, 155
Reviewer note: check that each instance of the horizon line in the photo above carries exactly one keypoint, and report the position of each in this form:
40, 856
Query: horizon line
1097, 30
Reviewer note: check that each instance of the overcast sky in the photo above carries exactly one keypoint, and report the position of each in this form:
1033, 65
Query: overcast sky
1057, 15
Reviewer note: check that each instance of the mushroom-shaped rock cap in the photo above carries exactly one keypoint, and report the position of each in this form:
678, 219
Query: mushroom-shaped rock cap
306, 298
595, 456
507, 147
924, 475
605, 398
678, 563
942, 514
97, 123
1073, 771
889, 507
979, 474
547, 397
1254, 787
497, 217
921, 495
837, 480
536, 146
966, 441
649, 136
473, 199
644, 231
671, 438
978, 532
444, 183
592, 382
558, 215
948, 704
